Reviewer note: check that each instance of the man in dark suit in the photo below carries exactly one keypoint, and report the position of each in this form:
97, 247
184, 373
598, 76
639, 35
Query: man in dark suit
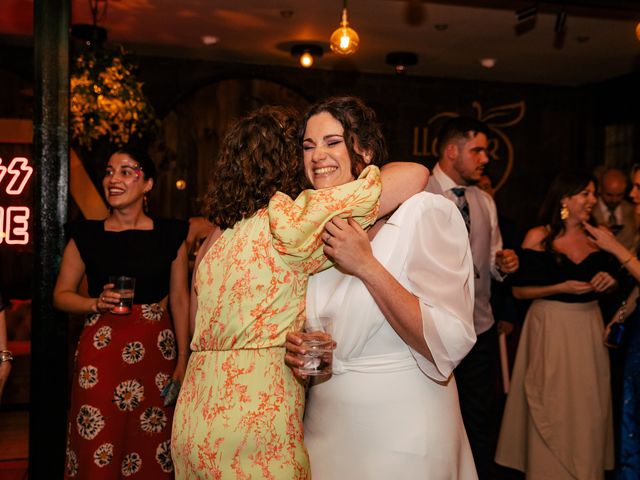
463, 154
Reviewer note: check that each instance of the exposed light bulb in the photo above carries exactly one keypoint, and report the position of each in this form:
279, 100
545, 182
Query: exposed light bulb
306, 59
181, 184
344, 40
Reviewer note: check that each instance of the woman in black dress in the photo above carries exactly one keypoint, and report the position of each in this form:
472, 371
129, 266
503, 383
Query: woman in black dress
118, 423
557, 422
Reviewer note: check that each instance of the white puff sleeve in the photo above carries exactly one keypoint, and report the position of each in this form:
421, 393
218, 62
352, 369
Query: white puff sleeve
439, 268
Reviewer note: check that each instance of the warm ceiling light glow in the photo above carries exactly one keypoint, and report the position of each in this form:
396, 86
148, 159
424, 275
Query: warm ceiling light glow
306, 53
306, 59
344, 40
181, 184
638, 31
210, 39
488, 62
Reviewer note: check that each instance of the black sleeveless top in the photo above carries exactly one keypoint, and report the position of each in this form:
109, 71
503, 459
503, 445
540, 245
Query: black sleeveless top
541, 268
145, 255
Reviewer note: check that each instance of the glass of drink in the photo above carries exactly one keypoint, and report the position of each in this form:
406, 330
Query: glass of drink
125, 286
318, 345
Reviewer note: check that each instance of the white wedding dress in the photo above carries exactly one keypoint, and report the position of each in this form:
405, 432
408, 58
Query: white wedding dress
387, 412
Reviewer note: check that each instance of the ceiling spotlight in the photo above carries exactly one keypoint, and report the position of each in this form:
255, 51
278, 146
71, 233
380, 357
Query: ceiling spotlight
560, 30
307, 53
209, 39
401, 60
488, 62
526, 19
344, 40
526, 13
561, 20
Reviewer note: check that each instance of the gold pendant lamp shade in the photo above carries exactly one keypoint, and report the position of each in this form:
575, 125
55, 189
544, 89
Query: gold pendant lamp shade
345, 40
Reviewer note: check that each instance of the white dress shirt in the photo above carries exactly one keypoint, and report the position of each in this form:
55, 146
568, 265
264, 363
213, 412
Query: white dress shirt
485, 241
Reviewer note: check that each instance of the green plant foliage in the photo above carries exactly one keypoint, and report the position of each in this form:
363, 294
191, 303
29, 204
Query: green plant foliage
107, 102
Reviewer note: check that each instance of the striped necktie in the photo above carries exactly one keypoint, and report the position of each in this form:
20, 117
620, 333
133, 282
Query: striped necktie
463, 205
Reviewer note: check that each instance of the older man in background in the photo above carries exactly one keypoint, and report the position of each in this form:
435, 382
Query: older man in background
613, 211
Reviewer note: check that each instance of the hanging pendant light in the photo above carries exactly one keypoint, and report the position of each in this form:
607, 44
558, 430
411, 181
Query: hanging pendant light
345, 40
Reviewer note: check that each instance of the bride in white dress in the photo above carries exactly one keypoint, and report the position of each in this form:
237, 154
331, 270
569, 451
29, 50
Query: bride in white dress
402, 316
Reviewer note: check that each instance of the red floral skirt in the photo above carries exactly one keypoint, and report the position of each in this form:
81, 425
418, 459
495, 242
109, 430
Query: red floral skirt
118, 426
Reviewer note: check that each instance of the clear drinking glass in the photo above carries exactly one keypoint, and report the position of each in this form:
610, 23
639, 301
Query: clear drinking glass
318, 343
125, 286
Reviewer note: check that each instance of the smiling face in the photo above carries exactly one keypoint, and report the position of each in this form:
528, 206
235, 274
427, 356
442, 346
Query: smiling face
124, 183
326, 158
581, 204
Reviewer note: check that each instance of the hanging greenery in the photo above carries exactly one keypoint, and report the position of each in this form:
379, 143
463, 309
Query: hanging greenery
107, 102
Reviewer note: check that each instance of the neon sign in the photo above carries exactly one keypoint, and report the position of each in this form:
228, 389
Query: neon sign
14, 220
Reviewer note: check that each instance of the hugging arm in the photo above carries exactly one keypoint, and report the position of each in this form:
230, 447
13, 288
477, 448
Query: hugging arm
400, 180
179, 304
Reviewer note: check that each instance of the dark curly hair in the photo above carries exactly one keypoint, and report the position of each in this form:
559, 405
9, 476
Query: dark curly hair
260, 155
565, 184
361, 129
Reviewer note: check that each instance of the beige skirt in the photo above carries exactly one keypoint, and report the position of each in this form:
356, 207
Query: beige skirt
557, 421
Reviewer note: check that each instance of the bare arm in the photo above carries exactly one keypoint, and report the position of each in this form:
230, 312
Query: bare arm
65, 293
570, 286
605, 240
179, 304
623, 312
400, 180
193, 299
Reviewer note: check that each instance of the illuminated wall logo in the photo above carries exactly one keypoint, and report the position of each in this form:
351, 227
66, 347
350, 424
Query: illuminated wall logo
500, 147
14, 220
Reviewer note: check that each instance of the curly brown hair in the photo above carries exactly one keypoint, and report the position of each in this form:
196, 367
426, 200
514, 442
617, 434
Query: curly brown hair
361, 129
259, 156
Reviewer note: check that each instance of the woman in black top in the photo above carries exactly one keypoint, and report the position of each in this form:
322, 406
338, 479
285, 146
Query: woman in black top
118, 423
557, 420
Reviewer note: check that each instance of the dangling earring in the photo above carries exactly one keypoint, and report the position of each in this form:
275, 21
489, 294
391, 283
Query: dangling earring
145, 204
564, 212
